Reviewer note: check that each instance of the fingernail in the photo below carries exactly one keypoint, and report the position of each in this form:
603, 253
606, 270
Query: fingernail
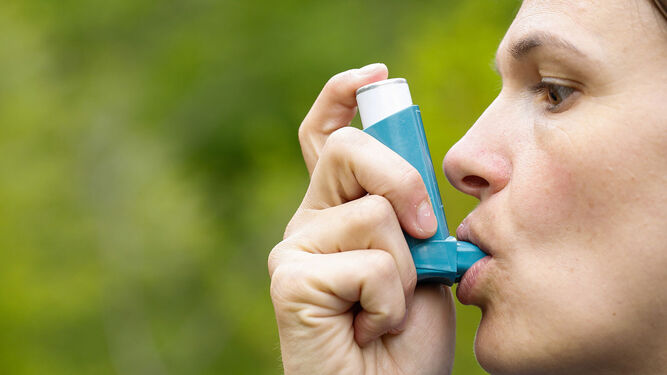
426, 218
371, 68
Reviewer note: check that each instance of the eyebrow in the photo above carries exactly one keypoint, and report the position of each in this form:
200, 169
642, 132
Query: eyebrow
526, 44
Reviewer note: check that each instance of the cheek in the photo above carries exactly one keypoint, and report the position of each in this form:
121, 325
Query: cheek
543, 192
563, 186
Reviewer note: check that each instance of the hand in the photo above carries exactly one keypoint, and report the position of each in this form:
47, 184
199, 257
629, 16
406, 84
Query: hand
343, 280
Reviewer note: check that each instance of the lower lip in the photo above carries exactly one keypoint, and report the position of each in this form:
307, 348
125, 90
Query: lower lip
464, 292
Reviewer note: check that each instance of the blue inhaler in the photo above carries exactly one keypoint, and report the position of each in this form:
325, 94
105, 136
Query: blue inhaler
387, 113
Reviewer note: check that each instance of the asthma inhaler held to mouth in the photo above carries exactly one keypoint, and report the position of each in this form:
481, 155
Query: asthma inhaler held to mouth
387, 113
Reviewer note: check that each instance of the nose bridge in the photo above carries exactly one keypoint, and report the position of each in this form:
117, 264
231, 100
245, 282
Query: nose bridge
493, 126
479, 164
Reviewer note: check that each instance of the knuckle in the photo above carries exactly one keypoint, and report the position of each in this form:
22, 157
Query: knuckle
378, 210
409, 178
392, 309
284, 281
303, 131
384, 265
341, 143
379, 203
277, 288
386, 270
274, 259
343, 136
395, 311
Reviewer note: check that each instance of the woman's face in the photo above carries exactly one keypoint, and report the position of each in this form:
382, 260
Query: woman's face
570, 166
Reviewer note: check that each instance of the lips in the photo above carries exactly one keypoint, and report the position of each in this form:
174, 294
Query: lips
465, 291
464, 233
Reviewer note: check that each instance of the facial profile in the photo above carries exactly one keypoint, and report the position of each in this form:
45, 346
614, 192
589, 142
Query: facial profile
570, 168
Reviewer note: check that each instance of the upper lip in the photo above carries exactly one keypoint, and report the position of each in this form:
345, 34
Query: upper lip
465, 232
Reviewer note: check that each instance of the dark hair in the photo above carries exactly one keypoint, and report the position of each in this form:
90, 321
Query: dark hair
662, 5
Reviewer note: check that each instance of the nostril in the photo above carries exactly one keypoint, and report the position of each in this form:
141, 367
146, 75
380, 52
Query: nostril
475, 182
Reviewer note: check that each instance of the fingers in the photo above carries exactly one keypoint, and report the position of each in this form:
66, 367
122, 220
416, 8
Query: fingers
330, 284
365, 223
354, 163
334, 108
384, 307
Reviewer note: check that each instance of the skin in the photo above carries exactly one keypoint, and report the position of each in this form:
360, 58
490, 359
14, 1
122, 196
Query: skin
569, 164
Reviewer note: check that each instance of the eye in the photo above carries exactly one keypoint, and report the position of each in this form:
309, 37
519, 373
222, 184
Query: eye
554, 94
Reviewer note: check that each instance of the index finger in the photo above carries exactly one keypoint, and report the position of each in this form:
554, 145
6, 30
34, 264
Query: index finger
354, 163
334, 108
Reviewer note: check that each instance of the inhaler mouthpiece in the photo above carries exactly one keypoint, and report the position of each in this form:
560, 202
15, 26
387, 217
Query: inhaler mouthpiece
382, 99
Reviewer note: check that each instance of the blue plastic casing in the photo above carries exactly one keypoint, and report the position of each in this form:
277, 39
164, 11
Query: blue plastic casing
440, 258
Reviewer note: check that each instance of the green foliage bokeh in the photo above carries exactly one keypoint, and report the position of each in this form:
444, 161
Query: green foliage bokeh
150, 163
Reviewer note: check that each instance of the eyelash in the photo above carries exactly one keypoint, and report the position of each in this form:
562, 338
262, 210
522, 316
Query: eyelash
551, 93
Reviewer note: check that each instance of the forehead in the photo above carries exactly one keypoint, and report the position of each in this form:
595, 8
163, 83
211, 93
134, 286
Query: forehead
613, 31
595, 26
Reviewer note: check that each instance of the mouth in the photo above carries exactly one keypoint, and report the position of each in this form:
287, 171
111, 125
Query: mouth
466, 292
465, 233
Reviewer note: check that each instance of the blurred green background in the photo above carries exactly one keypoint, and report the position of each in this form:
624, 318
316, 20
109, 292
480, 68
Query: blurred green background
150, 163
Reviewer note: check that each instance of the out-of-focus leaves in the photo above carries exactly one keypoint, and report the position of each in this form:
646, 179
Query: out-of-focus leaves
149, 163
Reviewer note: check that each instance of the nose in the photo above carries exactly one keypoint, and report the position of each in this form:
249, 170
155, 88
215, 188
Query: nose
479, 164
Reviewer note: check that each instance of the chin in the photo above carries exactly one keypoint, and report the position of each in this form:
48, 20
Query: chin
490, 355
500, 362
506, 354
507, 351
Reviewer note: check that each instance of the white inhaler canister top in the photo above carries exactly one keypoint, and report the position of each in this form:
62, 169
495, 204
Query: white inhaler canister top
382, 99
